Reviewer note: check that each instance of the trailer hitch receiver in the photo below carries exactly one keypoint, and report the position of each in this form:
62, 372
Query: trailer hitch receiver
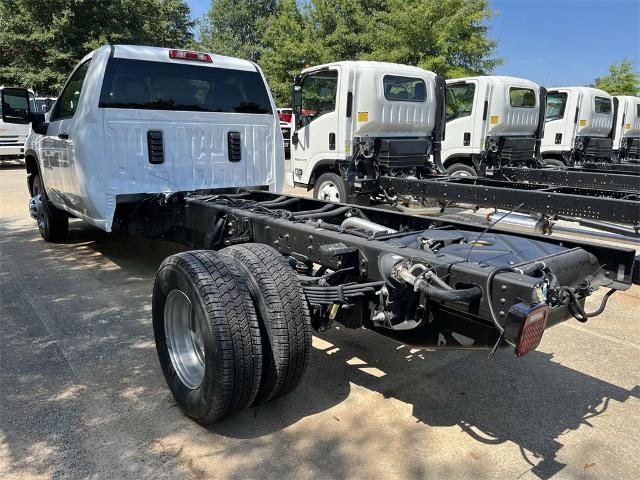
525, 326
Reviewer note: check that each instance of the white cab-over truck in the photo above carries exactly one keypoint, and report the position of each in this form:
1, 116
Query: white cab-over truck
492, 121
13, 135
357, 116
626, 142
136, 121
579, 126
164, 143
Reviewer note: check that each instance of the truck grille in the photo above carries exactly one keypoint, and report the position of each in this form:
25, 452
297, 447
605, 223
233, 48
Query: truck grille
10, 140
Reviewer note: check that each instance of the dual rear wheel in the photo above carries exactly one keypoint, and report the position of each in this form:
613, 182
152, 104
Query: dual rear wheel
232, 329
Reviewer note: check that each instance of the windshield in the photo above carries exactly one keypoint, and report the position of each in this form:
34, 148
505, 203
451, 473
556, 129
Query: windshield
556, 104
147, 85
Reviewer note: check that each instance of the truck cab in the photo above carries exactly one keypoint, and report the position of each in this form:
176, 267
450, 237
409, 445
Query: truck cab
13, 135
491, 121
578, 126
135, 123
354, 119
626, 141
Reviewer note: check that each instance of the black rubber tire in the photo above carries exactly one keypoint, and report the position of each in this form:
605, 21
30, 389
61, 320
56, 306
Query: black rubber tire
54, 225
338, 181
554, 162
284, 317
233, 353
460, 168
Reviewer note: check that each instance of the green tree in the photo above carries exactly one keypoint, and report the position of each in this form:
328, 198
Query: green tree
40, 42
446, 36
621, 79
234, 27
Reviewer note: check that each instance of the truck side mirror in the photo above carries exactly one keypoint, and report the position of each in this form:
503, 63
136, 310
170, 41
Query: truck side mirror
15, 105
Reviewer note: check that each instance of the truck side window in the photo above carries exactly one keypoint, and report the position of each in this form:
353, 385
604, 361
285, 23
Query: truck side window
602, 105
556, 104
404, 89
68, 101
459, 100
318, 94
522, 97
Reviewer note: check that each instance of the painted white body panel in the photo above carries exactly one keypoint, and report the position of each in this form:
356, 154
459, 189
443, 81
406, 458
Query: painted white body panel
13, 136
628, 122
106, 154
586, 122
512, 121
384, 118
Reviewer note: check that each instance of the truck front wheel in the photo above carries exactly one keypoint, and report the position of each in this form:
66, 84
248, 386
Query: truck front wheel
330, 187
52, 223
554, 162
207, 334
461, 170
283, 313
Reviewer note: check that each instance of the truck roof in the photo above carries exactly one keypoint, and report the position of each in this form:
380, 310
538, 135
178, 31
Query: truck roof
588, 90
626, 97
380, 66
160, 54
497, 79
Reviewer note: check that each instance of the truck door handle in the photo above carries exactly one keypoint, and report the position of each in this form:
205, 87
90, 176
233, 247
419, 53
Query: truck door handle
63, 136
467, 139
558, 138
332, 141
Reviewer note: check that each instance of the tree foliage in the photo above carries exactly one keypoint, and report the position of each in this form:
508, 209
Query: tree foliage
621, 79
41, 41
446, 36
234, 27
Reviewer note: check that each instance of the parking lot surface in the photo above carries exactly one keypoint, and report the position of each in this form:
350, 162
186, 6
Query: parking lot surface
83, 395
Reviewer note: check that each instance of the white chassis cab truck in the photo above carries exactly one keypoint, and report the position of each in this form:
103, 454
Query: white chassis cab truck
356, 116
491, 121
578, 126
13, 135
626, 142
133, 121
186, 146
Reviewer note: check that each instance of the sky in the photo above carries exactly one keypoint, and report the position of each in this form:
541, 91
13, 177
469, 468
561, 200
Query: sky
555, 42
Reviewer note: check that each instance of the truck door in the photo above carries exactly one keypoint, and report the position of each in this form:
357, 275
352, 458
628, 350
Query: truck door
461, 115
58, 147
559, 123
316, 122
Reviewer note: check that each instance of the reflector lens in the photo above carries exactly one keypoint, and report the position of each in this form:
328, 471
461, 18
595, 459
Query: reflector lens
193, 56
532, 330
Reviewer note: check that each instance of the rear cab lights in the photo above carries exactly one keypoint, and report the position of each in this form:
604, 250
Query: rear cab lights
525, 326
192, 56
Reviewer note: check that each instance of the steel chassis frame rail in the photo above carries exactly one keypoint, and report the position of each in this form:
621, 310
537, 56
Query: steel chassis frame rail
606, 167
575, 177
606, 205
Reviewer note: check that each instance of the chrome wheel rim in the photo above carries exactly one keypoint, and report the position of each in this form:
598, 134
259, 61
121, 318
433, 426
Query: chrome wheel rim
184, 339
328, 192
461, 173
36, 207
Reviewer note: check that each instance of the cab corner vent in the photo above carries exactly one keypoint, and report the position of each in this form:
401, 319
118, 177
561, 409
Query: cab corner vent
235, 146
155, 146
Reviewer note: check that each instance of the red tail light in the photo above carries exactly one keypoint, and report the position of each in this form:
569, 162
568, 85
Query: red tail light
193, 56
525, 326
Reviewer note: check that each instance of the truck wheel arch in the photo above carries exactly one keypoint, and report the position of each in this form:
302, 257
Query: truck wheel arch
464, 159
320, 168
31, 163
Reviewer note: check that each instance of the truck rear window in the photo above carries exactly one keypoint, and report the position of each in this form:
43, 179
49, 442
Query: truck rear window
522, 97
602, 105
404, 89
138, 84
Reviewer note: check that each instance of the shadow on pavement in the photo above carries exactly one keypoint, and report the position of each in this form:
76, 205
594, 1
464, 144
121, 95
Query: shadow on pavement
83, 392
